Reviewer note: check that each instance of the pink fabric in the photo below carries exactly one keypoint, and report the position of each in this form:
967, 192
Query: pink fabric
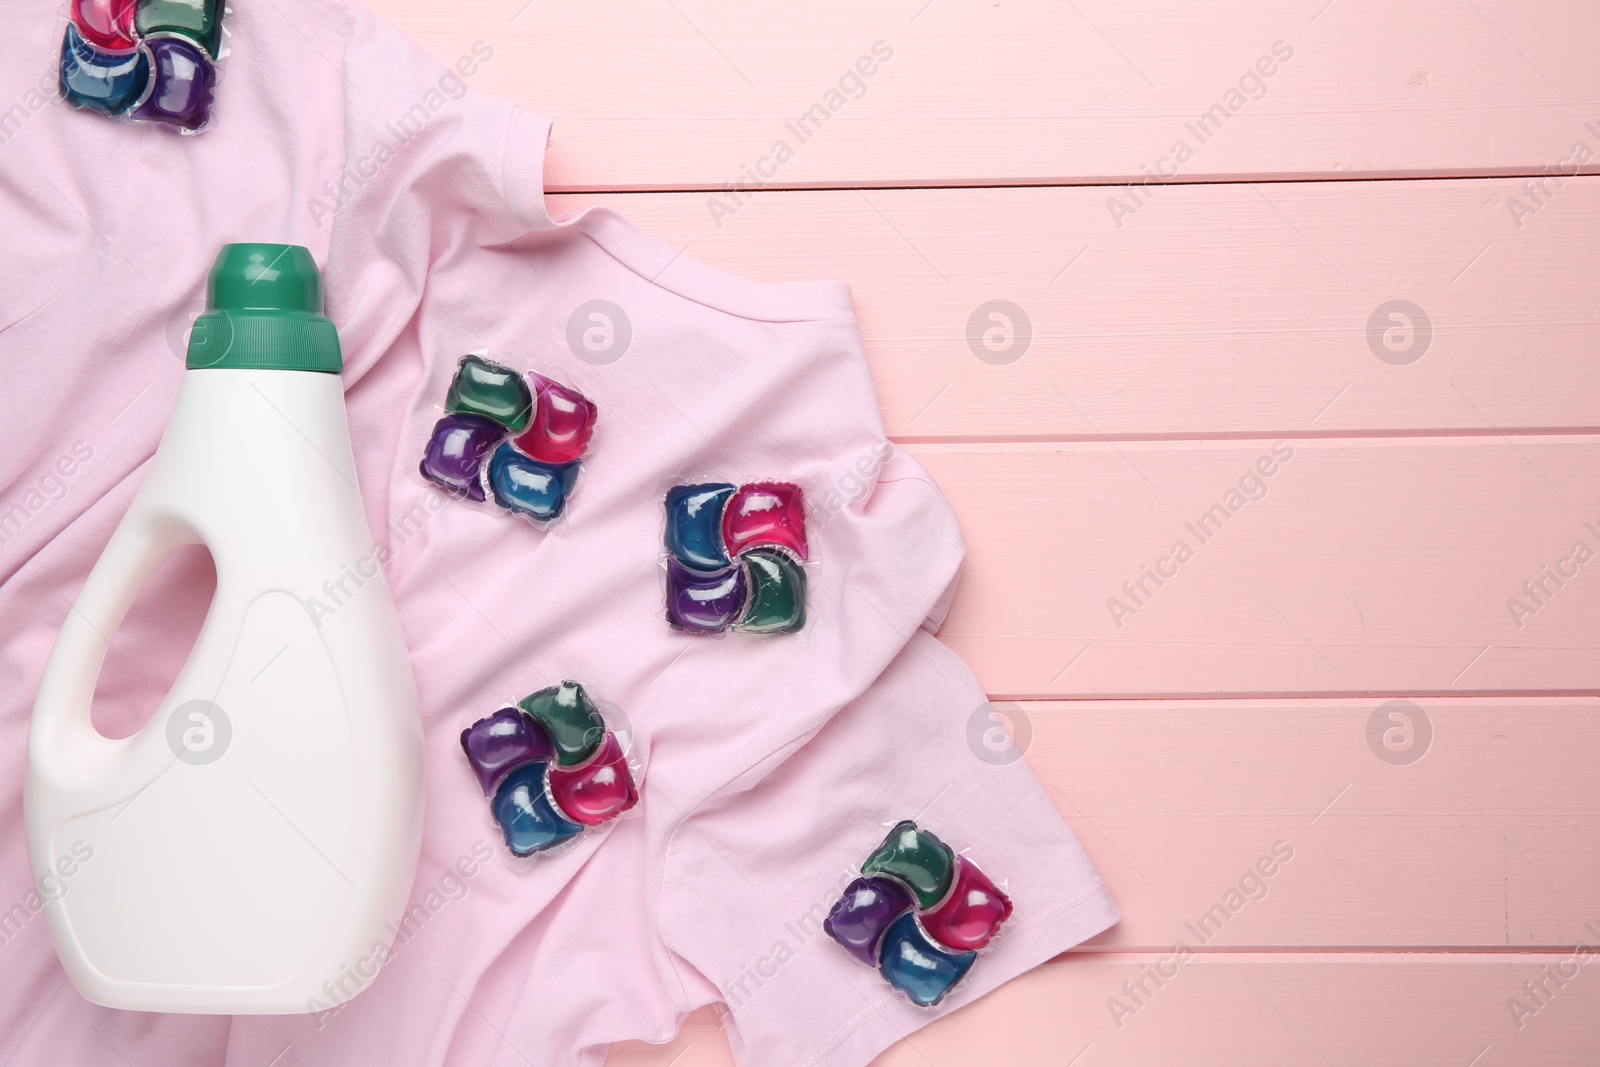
770, 767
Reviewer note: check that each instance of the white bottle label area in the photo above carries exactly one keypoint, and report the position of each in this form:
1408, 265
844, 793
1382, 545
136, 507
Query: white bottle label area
225, 869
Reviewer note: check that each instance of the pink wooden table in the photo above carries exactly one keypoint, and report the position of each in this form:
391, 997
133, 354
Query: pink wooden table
1346, 240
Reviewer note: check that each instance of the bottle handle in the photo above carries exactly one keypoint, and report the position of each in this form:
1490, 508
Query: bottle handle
64, 748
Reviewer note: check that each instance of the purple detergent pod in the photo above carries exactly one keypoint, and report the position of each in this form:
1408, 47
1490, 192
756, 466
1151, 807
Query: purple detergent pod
529, 437
920, 914
453, 458
505, 740
705, 602
180, 86
734, 557
862, 915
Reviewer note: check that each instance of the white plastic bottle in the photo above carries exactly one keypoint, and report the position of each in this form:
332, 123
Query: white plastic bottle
252, 848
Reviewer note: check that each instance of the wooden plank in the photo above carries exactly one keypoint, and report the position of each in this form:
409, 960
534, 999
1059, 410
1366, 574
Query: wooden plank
1474, 828
689, 94
1379, 1010
1215, 310
1372, 566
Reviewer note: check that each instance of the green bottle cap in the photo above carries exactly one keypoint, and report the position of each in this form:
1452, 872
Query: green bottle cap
264, 312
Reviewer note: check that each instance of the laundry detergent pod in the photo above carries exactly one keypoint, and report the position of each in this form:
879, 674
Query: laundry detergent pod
735, 557
919, 913
144, 60
510, 438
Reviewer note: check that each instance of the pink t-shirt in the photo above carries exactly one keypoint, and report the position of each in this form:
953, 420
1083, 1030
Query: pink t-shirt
770, 768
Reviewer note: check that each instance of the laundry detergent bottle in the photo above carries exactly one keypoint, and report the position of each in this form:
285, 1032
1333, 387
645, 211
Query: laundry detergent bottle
251, 849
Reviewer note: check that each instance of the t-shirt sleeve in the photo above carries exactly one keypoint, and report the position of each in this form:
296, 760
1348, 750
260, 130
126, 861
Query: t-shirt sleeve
751, 876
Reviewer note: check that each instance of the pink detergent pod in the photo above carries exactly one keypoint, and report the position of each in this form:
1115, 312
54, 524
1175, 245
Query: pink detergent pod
552, 768
766, 513
972, 911
919, 913
597, 791
563, 421
734, 558
107, 24
510, 439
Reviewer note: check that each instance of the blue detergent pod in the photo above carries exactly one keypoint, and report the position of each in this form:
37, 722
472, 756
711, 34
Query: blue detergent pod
528, 487
694, 525
918, 967
527, 819
100, 81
